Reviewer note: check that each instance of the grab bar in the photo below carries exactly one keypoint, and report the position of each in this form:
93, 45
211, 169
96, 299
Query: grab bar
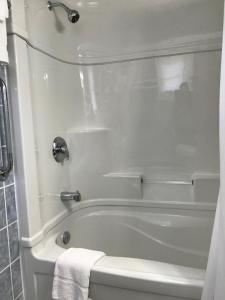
5, 133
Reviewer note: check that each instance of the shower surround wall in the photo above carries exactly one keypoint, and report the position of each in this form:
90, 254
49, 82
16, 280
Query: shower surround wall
106, 111
10, 263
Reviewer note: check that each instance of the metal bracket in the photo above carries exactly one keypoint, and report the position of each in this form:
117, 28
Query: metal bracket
9, 4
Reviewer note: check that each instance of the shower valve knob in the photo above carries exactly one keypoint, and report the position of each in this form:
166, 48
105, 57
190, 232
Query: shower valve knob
60, 150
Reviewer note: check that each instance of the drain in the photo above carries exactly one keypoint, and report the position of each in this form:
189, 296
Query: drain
65, 237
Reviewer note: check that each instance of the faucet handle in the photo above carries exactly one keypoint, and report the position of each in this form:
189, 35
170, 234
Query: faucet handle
67, 196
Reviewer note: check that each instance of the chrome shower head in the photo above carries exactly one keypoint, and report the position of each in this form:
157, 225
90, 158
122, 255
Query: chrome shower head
73, 15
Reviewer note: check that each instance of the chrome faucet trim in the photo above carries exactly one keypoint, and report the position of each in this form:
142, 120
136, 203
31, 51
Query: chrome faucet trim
73, 15
68, 196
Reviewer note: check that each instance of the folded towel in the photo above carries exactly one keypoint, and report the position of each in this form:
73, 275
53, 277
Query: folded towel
4, 11
3, 43
72, 274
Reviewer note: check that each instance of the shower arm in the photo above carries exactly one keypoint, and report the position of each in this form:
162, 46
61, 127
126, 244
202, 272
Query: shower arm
51, 5
73, 15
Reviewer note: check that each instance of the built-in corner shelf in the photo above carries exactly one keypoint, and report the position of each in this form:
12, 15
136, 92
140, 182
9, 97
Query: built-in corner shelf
149, 180
196, 188
176, 180
213, 176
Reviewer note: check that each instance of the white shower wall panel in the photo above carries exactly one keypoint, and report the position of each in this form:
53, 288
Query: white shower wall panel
57, 107
161, 112
109, 30
155, 116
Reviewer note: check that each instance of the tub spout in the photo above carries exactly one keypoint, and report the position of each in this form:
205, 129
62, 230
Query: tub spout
67, 196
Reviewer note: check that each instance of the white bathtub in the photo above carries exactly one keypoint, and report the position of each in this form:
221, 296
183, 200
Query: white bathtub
155, 251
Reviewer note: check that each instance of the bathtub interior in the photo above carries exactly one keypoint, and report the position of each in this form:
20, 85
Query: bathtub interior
173, 235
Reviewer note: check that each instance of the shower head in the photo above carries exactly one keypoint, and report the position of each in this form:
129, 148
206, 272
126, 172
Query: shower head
73, 15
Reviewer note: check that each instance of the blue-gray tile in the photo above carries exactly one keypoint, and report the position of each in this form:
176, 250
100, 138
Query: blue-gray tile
20, 297
2, 210
5, 285
10, 178
16, 278
11, 204
4, 249
13, 241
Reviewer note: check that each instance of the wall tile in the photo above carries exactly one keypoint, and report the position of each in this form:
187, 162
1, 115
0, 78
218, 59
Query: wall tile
20, 297
16, 278
10, 275
11, 204
10, 178
5, 285
13, 241
9, 244
2, 210
4, 249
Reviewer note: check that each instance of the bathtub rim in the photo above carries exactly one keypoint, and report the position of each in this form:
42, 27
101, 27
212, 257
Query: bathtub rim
188, 284
169, 279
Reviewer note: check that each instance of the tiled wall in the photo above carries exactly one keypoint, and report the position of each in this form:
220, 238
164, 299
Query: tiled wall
10, 269
10, 266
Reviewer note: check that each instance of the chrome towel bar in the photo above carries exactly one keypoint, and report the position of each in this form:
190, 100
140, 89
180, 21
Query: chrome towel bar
5, 134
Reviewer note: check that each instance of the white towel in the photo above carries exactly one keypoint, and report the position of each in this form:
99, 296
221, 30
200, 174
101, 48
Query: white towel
72, 273
4, 14
4, 11
3, 43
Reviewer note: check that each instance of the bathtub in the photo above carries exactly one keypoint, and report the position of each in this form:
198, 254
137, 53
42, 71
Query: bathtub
154, 251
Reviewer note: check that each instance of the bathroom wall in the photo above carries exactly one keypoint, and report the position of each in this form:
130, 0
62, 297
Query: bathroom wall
132, 88
10, 265
109, 30
57, 98
108, 117
128, 99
